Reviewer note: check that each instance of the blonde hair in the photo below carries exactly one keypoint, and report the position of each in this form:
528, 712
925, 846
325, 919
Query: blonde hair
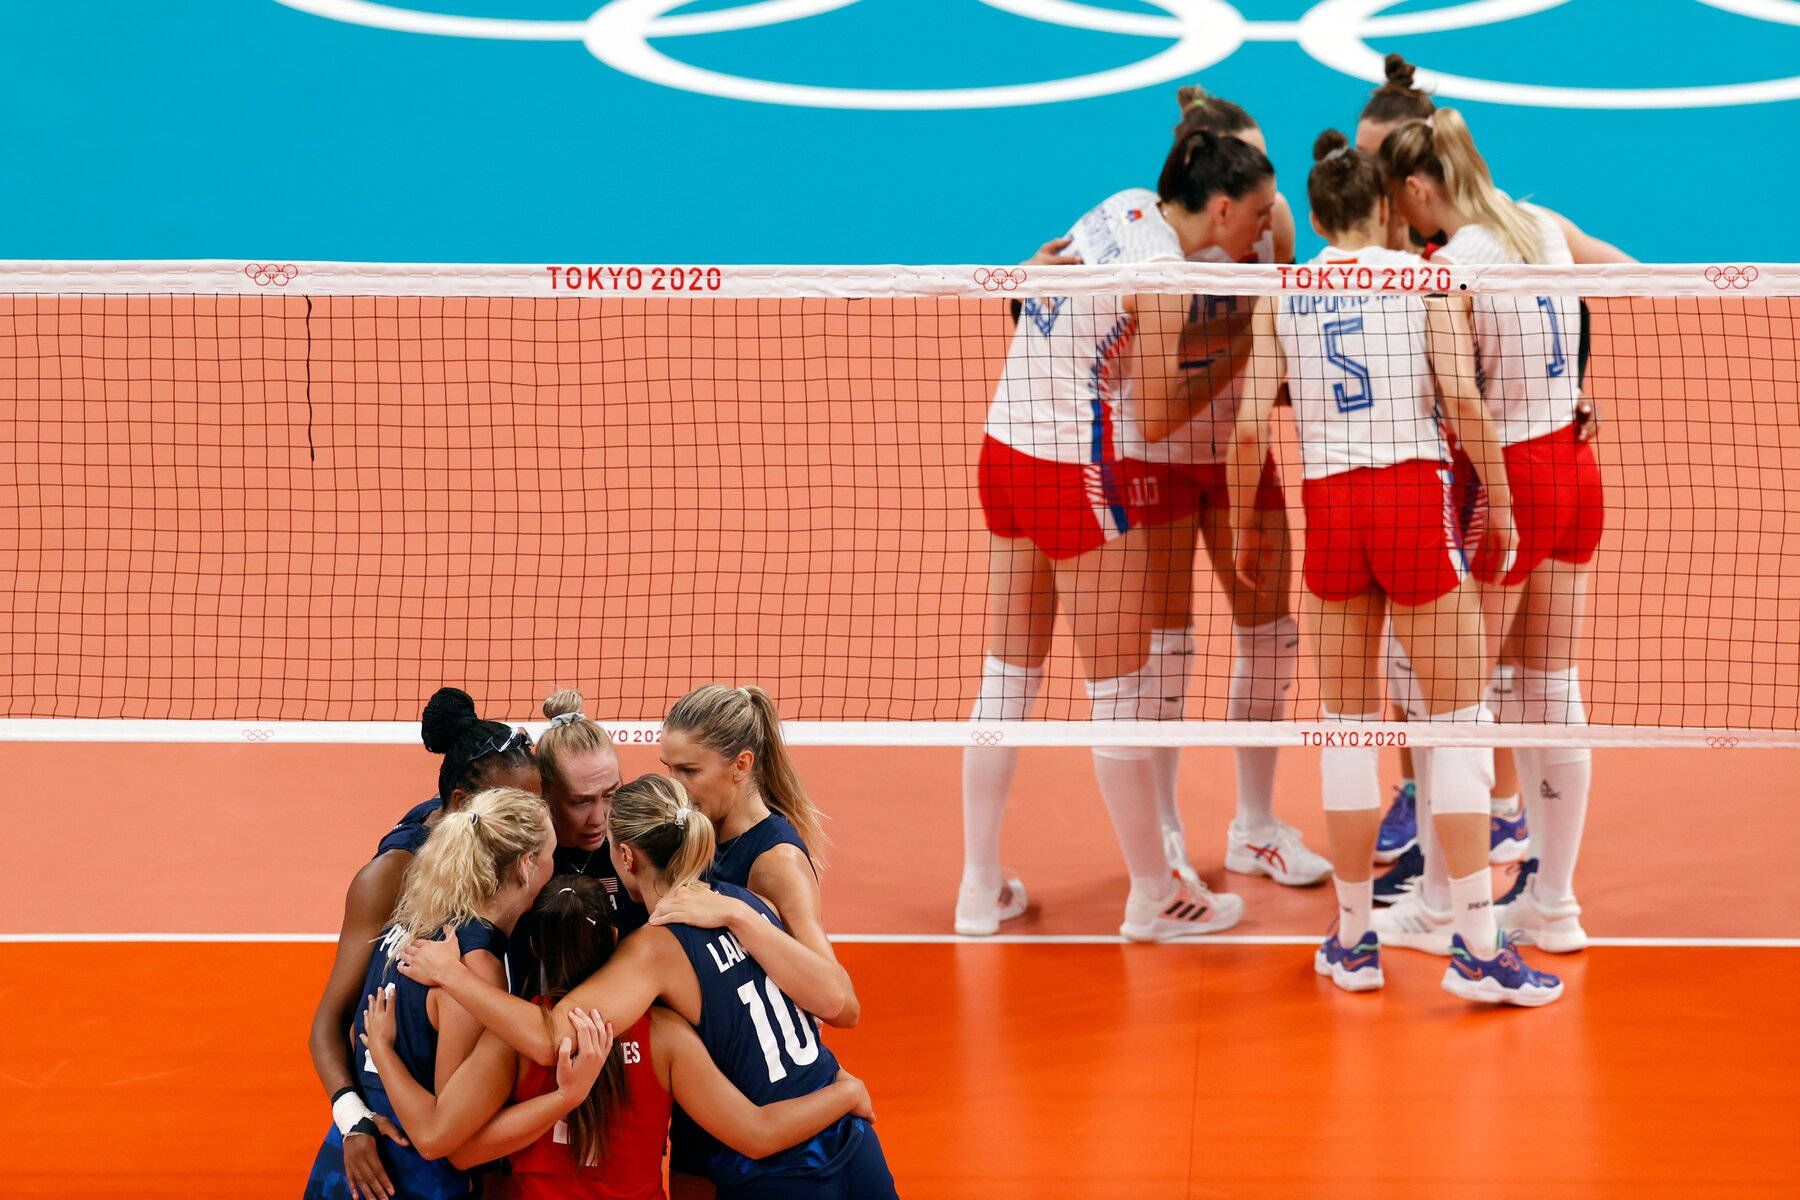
729, 721
465, 862
653, 813
574, 735
1442, 148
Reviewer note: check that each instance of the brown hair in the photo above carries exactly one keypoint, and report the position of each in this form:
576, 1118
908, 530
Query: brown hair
653, 813
574, 937
567, 737
1345, 186
1201, 110
1443, 149
1397, 99
464, 863
729, 721
1203, 164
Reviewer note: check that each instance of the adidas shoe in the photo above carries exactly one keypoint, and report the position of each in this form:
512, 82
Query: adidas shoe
1184, 912
1355, 970
979, 911
1412, 926
1553, 927
1399, 825
1401, 878
1276, 852
1175, 854
1508, 840
1503, 979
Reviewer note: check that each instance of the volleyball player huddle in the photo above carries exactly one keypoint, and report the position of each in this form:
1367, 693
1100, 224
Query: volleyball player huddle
1123, 426
540, 992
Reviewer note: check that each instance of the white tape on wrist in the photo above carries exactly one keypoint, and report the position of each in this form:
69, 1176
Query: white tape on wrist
347, 1110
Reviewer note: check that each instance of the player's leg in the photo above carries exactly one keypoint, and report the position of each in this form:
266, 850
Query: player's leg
1265, 661
1110, 614
1021, 619
1171, 665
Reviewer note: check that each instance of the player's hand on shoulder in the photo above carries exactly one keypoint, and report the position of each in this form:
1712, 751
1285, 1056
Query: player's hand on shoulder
430, 960
378, 1018
699, 907
1050, 254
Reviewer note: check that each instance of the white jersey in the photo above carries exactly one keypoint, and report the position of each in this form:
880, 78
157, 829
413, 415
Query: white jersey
1526, 346
1062, 396
1206, 438
1363, 391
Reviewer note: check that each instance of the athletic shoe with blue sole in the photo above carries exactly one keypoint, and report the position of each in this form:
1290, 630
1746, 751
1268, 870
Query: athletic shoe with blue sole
1503, 979
1400, 878
1508, 841
1357, 969
1399, 825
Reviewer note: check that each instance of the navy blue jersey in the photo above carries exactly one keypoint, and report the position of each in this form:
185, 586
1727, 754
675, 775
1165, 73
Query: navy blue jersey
764, 1044
410, 832
733, 859
627, 914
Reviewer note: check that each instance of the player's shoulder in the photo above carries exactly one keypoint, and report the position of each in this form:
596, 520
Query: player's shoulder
1474, 245
1135, 221
1553, 242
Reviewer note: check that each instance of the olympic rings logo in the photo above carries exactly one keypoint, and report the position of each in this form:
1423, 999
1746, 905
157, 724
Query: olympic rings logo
999, 279
1198, 33
987, 737
279, 274
1731, 276
1722, 743
258, 734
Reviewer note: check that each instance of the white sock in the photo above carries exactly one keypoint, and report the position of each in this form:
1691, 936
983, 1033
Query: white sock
1434, 883
1171, 660
1007, 693
1127, 780
1563, 777
1262, 679
1355, 900
1472, 912
1506, 806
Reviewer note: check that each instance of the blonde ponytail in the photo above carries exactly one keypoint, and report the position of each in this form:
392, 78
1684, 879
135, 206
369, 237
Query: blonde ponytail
729, 721
654, 814
571, 733
1442, 148
465, 862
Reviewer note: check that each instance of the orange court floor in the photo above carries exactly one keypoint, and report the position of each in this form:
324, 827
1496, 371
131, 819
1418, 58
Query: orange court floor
1061, 1064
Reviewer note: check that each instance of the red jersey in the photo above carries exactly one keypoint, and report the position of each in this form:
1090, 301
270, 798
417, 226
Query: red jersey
631, 1168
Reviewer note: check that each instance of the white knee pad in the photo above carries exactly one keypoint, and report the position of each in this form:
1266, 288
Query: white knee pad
1350, 775
1124, 698
1403, 685
1502, 695
1552, 697
1462, 777
1007, 691
1171, 662
1263, 670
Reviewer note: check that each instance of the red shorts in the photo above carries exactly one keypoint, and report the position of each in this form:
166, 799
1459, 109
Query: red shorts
1559, 506
1189, 487
1065, 509
1393, 528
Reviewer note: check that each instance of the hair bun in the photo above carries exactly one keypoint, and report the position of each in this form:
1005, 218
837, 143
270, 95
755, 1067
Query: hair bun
1328, 143
563, 702
446, 713
1399, 72
1190, 94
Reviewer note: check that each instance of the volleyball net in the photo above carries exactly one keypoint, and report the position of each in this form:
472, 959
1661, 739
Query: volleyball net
287, 501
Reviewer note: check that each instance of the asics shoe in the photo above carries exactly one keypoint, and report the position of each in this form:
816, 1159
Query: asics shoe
1412, 926
1508, 840
979, 911
1553, 927
1503, 979
1402, 877
1355, 970
1399, 825
1184, 912
1276, 852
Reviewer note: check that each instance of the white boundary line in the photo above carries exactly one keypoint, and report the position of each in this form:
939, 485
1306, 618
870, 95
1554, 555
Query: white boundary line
896, 939
948, 733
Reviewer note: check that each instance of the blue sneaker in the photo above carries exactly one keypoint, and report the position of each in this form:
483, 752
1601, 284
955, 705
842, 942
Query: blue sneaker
1355, 970
1400, 878
1399, 825
1508, 841
1521, 874
1503, 979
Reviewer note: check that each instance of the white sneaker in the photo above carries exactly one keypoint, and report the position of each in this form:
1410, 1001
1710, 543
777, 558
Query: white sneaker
1182, 913
979, 910
1175, 854
1553, 927
1276, 852
1407, 922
